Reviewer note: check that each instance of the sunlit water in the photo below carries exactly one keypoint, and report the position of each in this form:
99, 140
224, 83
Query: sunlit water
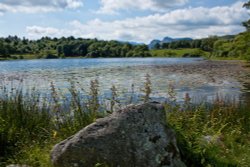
121, 72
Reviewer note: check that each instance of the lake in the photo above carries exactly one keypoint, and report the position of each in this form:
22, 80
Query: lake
203, 80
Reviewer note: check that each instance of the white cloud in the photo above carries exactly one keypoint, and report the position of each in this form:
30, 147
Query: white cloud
73, 4
189, 22
33, 6
112, 6
37, 31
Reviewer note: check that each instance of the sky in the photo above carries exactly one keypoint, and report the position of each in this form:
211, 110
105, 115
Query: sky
124, 20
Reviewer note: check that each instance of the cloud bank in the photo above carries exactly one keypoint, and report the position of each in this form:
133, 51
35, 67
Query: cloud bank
113, 6
189, 22
34, 6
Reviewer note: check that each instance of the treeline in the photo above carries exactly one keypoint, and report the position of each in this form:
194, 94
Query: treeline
238, 47
205, 44
229, 46
46, 47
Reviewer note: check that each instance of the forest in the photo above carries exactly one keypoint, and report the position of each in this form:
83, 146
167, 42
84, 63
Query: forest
230, 46
46, 47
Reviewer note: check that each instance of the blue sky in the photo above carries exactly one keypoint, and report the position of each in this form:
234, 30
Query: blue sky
127, 20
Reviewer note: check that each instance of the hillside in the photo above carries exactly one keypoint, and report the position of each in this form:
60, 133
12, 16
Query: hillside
154, 44
224, 47
238, 47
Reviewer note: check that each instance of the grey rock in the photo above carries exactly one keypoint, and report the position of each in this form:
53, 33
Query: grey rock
136, 136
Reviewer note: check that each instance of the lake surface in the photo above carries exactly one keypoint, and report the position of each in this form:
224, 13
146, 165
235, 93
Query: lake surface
123, 73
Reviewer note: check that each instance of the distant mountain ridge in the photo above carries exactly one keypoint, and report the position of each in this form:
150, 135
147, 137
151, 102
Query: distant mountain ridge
132, 43
152, 44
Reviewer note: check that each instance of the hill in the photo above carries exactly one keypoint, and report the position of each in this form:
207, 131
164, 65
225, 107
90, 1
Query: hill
156, 43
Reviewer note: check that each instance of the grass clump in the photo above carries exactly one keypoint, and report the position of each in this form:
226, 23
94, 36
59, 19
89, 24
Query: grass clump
214, 134
30, 124
23, 123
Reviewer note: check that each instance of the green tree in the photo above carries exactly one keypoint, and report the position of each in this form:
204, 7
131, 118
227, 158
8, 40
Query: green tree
247, 23
157, 46
3, 52
60, 50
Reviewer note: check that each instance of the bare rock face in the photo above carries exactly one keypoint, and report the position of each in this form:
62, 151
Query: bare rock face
133, 137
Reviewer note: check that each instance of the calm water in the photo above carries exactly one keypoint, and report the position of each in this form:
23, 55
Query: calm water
121, 72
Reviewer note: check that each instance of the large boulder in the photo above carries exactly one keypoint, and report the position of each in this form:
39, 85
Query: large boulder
136, 136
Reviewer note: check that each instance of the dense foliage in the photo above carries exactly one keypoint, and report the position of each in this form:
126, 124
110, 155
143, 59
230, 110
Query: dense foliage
205, 44
247, 23
234, 47
239, 47
14, 47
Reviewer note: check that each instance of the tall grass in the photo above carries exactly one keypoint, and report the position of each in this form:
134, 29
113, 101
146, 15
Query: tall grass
23, 122
31, 124
214, 134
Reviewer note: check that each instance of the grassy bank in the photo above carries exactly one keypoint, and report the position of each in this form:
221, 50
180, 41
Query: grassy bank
188, 52
214, 134
182, 52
